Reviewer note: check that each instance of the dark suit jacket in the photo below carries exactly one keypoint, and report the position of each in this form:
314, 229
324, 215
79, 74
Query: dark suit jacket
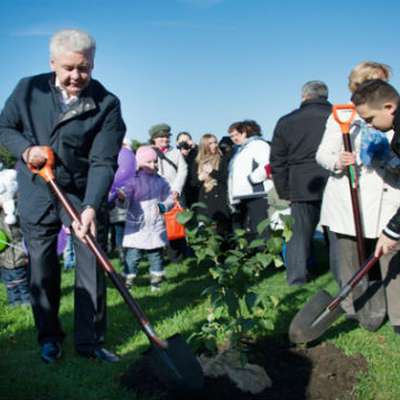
86, 141
296, 174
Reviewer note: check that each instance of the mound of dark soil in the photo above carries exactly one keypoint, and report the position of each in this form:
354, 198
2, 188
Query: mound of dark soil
322, 372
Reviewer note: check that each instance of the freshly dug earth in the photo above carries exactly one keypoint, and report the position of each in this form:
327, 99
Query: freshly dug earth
322, 372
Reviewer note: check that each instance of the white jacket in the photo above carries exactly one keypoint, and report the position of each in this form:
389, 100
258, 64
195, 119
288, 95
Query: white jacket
175, 177
247, 176
379, 193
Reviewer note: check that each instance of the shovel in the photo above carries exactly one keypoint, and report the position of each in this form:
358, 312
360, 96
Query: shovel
338, 110
372, 303
171, 360
322, 309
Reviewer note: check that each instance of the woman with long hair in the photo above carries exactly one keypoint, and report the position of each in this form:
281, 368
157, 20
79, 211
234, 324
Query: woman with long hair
212, 172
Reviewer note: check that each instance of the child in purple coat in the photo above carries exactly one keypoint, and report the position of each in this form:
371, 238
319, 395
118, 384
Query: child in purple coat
148, 195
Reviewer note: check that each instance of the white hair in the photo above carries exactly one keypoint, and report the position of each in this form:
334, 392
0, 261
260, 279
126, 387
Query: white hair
72, 40
314, 89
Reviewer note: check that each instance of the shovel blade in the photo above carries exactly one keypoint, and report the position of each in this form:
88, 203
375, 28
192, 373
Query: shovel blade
303, 328
176, 367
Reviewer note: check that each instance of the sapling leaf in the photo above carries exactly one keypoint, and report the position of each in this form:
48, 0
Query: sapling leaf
274, 245
278, 261
262, 226
232, 303
287, 233
231, 260
203, 218
236, 253
256, 243
288, 220
267, 323
264, 259
198, 205
250, 300
184, 216
239, 232
274, 300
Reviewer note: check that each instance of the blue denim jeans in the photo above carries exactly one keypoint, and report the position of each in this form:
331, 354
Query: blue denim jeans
17, 285
119, 228
69, 254
133, 256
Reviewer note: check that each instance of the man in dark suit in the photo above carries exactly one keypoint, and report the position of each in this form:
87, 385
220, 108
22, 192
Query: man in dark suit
297, 176
81, 121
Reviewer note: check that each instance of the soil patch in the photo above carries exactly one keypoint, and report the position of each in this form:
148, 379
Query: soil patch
322, 372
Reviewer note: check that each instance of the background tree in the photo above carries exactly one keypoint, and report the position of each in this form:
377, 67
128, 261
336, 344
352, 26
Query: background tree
7, 158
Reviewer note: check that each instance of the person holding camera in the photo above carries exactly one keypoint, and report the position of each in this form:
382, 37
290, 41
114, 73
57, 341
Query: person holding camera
189, 150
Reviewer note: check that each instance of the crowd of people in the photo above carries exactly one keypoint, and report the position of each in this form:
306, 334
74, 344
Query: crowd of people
129, 190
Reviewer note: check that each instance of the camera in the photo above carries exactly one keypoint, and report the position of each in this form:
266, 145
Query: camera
184, 146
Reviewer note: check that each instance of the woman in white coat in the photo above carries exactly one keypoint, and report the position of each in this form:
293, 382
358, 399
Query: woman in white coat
248, 182
379, 196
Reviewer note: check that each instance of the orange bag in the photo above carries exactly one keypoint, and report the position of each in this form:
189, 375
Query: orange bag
174, 229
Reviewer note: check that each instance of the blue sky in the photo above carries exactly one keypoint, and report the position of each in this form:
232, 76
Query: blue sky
201, 64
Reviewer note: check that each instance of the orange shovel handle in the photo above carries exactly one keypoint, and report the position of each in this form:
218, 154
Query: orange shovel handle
344, 124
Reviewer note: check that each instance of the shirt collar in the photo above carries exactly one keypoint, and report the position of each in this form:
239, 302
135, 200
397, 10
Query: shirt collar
65, 98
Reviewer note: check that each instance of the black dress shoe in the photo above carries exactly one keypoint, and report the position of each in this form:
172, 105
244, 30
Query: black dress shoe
50, 352
101, 354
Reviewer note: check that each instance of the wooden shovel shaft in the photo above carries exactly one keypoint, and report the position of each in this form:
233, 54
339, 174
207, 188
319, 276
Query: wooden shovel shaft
352, 283
351, 172
345, 290
107, 266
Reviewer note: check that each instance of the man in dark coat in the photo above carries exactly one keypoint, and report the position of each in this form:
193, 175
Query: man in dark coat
297, 176
81, 121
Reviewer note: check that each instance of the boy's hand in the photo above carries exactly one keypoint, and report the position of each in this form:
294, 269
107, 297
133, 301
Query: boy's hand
385, 245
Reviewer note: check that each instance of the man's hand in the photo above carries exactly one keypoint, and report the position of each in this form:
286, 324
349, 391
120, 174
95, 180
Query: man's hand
385, 245
35, 156
88, 223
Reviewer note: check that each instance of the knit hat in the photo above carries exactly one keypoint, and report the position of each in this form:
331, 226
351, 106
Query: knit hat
145, 154
159, 130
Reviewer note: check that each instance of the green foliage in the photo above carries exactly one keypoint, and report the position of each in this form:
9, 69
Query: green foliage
135, 144
237, 265
177, 308
7, 158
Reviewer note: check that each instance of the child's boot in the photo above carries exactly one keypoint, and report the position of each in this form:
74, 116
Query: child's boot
129, 280
155, 282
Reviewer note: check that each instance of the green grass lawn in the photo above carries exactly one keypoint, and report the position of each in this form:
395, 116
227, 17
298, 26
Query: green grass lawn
177, 308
